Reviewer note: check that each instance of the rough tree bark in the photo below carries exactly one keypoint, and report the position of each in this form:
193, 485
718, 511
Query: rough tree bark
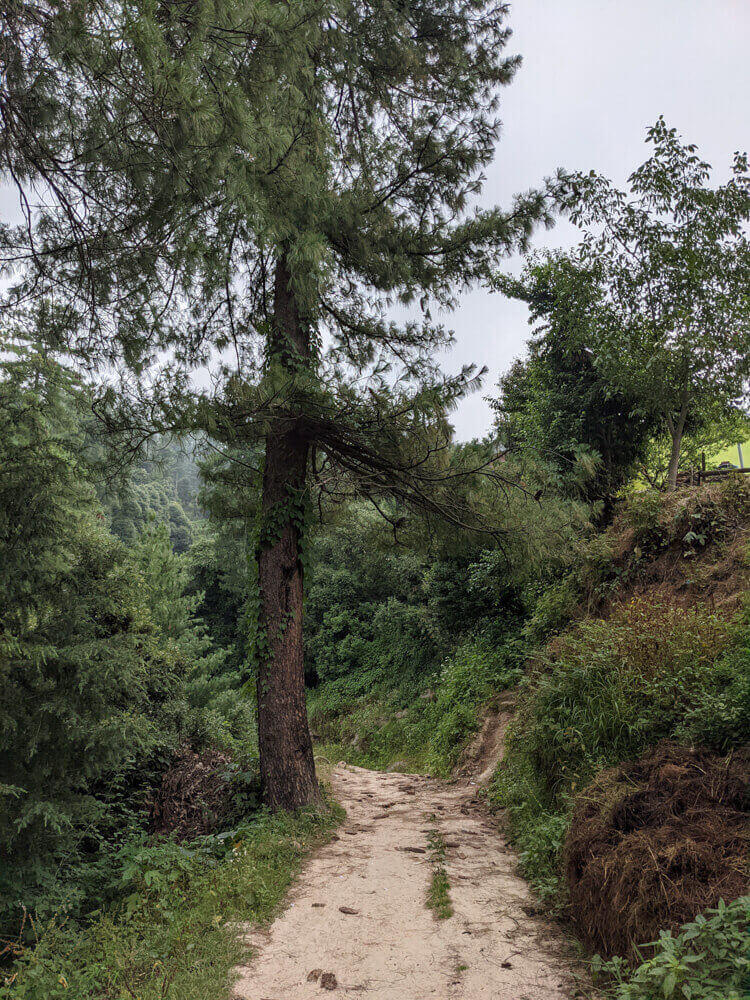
677, 431
287, 766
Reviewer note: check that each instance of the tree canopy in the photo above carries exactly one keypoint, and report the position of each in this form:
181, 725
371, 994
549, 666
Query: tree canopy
250, 187
559, 403
672, 260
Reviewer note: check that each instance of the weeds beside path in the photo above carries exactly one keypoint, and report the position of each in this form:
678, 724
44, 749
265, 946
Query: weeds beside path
173, 937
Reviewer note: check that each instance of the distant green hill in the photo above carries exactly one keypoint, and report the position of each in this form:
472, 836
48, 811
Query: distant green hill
731, 455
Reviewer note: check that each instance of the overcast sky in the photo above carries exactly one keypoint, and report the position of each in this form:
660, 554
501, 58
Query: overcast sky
595, 74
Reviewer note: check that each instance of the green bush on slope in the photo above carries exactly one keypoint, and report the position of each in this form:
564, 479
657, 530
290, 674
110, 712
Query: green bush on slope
606, 692
476, 670
421, 724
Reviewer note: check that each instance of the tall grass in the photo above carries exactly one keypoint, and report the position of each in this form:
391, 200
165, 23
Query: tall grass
604, 693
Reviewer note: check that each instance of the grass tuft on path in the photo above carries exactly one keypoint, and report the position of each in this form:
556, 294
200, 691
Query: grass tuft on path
438, 895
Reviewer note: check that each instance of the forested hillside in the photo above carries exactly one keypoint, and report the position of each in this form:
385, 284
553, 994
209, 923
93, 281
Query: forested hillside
264, 615
623, 647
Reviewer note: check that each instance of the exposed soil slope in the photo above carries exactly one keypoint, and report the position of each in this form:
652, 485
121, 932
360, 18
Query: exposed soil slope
496, 946
485, 751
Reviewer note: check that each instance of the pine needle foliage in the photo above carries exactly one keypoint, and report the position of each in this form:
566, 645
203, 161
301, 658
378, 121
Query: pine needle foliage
71, 631
251, 185
169, 158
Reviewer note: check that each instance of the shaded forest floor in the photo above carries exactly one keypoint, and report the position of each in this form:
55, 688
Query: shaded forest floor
417, 897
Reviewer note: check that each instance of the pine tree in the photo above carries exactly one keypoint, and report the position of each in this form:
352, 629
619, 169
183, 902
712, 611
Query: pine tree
265, 180
104, 668
72, 629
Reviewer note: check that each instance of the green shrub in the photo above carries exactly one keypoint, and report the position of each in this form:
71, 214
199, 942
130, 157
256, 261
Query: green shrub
610, 689
553, 610
422, 723
606, 692
645, 510
708, 960
721, 718
537, 829
469, 677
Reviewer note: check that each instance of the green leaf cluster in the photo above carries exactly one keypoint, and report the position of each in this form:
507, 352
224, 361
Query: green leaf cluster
708, 959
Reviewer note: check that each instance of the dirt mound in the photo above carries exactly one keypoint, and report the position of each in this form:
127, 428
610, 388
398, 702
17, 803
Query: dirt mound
686, 546
194, 795
654, 842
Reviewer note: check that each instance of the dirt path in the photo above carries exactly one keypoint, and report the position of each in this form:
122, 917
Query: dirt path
496, 946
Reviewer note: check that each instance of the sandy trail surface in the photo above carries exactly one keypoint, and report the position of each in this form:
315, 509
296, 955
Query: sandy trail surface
496, 946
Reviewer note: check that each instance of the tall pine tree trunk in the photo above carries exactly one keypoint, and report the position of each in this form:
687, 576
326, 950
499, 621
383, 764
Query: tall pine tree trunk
287, 766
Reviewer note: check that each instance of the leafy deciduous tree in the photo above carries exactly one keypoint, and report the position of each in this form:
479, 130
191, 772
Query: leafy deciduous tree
673, 263
558, 403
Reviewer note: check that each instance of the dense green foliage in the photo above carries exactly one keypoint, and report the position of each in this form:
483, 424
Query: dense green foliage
161, 488
169, 935
419, 723
393, 677
105, 669
73, 636
405, 642
557, 403
671, 258
708, 960
604, 693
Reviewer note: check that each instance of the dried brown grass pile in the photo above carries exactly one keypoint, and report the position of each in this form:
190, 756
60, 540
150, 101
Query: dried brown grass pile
194, 795
654, 842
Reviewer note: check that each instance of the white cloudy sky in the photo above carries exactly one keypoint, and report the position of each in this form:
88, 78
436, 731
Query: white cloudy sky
595, 74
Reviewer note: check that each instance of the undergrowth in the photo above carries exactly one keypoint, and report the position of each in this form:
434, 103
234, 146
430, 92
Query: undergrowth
604, 693
421, 725
708, 960
171, 935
